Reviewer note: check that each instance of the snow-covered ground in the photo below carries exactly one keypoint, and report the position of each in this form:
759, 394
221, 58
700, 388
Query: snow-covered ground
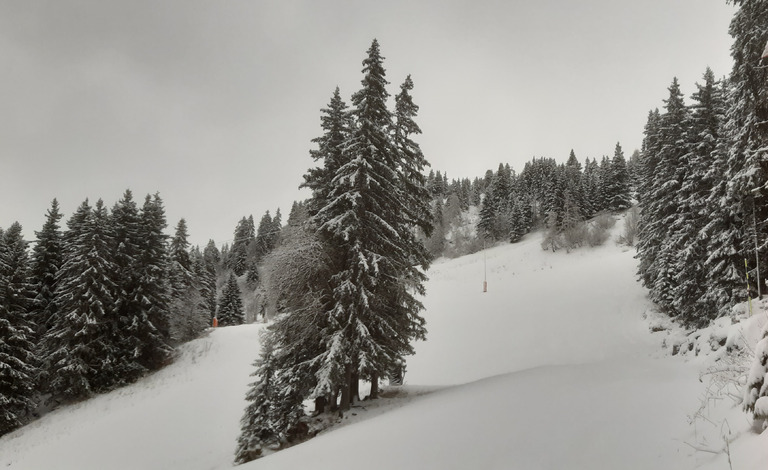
553, 368
185, 416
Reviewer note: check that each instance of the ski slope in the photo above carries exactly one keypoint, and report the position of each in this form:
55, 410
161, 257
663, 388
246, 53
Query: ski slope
185, 416
552, 368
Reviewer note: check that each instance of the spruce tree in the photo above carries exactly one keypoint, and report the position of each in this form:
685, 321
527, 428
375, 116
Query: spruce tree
487, 223
45, 264
264, 237
277, 227
617, 182
668, 164
723, 235
149, 327
747, 128
230, 310
245, 236
574, 184
360, 316
590, 188
81, 355
748, 124
693, 213
375, 313
17, 359
336, 123
188, 313
411, 161
649, 239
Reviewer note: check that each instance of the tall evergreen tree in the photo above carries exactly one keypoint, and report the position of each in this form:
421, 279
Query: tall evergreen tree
45, 263
17, 359
336, 123
649, 239
231, 305
245, 236
81, 355
693, 213
149, 326
264, 237
723, 235
363, 320
573, 182
617, 182
671, 144
188, 313
748, 124
411, 162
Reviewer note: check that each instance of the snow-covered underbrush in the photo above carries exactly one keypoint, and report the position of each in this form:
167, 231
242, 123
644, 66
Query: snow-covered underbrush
722, 432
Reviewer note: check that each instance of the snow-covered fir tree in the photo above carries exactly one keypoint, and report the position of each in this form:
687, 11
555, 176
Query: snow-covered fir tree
45, 263
245, 237
361, 323
188, 313
81, 356
691, 301
230, 311
147, 329
670, 145
747, 168
263, 238
17, 358
617, 182
336, 123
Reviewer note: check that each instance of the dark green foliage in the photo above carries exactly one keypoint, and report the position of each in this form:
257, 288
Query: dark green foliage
358, 319
82, 357
148, 328
230, 310
267, 235
113, 298
46, 261
17, 359
617, 182
189, 315
245, 241
336, 123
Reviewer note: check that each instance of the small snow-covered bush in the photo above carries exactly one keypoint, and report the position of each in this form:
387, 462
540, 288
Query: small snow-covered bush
761, 412
575, 236
598, 229
756, 386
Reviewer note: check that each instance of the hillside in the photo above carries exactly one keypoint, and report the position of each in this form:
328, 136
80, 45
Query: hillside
554, 367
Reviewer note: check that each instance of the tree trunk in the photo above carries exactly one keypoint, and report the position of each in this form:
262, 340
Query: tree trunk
320, 403
354, 388
346, 390
374, 386
335, 400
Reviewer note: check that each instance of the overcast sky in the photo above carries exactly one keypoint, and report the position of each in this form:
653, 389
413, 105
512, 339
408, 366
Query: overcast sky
214, 103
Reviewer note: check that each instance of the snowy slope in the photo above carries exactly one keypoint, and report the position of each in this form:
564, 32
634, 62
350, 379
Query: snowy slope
558, 366
552, 368
186, 416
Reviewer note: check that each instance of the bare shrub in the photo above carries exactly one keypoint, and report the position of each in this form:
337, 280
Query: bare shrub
597, 235
294, 274
630, 227
604, 221
575, 237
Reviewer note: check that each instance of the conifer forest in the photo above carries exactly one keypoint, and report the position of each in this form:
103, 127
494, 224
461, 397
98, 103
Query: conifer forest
105, 297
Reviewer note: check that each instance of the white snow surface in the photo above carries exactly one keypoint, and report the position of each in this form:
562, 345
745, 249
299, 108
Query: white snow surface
553, 368
185, 416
